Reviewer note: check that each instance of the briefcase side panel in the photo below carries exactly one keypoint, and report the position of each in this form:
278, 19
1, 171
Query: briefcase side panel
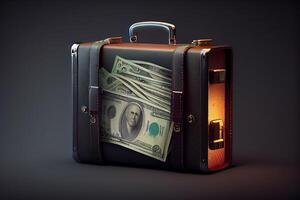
195, 116
74, 91
80, 78
219, 108
207, 101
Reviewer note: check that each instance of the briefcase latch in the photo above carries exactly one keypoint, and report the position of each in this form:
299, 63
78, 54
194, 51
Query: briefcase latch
217, 76
216, 134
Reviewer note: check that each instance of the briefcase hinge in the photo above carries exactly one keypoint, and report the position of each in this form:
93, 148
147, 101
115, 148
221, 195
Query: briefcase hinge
202, 42
114, 40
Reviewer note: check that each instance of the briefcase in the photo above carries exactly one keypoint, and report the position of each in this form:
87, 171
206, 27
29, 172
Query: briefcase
163, 106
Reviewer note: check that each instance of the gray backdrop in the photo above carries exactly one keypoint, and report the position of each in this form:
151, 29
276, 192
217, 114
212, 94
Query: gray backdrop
35, 96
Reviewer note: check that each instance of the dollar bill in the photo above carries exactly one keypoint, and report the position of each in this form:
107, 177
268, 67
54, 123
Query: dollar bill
136, 106
109, 81
112, 83
123, 92
153, 67
166, 94
134, 71
154, 96
135, 125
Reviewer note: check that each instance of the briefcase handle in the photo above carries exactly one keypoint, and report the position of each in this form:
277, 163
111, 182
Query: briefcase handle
152, 24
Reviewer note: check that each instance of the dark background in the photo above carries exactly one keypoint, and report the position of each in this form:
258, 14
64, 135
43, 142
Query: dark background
35, 97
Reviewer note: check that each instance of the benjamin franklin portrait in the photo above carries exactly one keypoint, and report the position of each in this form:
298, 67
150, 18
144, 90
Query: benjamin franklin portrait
131, 121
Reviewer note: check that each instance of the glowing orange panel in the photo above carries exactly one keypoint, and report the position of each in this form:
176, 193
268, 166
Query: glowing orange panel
216, 115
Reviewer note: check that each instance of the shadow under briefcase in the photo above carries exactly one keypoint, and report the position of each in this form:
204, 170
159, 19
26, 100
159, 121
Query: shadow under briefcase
164, 106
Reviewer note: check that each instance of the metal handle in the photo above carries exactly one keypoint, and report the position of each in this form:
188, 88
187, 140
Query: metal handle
151, 24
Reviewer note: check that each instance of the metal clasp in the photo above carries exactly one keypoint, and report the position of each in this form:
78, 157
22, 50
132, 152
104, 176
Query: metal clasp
202, 42
217, 75
84, 109
92, 119
216, 134
190, 118
177, 128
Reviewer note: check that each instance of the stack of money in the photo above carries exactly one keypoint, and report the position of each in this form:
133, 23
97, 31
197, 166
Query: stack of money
136, 106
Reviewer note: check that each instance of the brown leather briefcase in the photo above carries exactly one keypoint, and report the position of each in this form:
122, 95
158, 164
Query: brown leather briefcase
165, 106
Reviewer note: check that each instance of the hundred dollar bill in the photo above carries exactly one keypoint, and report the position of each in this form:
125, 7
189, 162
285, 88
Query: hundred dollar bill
154, 67
108, 81
154, 98
116, 85
135, 125
129, 69
158, 97
147, 87
147, 69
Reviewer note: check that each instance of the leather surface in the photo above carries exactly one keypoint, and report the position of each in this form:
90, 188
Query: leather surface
95, 101
82, 150
86, 143
177, 105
